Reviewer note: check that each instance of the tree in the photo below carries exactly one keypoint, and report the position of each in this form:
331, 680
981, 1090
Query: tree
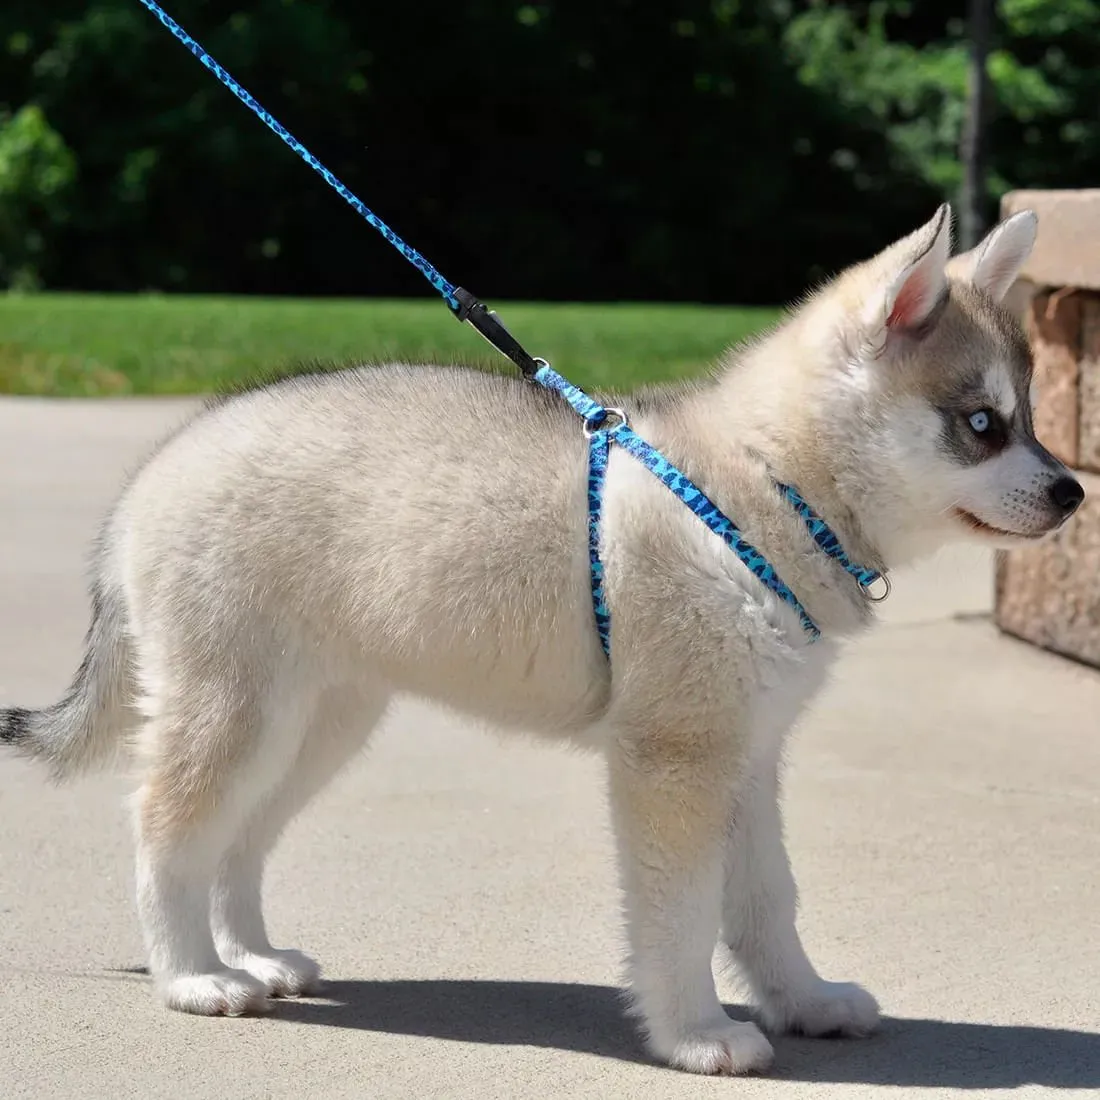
36, 176
972, 200
905, 66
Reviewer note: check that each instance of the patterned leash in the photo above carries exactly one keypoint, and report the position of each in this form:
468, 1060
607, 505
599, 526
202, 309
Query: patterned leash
461, 302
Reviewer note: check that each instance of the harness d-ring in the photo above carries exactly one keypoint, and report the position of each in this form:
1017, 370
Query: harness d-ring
865, 588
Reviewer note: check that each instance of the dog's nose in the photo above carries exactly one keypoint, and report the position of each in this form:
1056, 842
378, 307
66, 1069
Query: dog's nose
1067, 494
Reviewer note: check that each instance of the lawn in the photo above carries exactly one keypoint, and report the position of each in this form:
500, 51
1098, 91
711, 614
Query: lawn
99, 345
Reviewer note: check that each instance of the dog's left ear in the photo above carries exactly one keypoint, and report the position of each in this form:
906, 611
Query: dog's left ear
915, 281
993, 265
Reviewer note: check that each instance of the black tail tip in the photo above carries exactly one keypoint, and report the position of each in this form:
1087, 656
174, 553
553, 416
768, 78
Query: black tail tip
15, 725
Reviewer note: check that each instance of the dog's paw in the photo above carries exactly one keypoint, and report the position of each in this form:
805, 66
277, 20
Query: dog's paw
283, 973
828, 1008
726, 1048
223, 993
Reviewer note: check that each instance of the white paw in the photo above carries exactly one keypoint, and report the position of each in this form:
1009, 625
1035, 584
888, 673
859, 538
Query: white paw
828, 1008
223, 993
728, 1048
284, 973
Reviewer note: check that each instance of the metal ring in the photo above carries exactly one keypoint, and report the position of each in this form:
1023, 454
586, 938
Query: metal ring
591, 427
868, 595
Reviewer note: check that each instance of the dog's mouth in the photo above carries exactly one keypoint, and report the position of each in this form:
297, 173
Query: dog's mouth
983, 528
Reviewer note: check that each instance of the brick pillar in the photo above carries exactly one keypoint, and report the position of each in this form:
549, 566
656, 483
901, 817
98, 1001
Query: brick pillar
1050, 594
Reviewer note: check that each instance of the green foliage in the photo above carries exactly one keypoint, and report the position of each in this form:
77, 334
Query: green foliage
912, 94
903, 66
36, 173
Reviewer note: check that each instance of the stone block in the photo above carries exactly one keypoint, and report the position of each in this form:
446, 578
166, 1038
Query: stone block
1088, 424
1067, 250
1054, 331
1047, 594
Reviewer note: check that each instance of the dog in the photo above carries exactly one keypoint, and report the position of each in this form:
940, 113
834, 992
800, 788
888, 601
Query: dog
300, 554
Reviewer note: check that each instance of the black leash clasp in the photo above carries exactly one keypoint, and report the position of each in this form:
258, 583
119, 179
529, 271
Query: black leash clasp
485, 321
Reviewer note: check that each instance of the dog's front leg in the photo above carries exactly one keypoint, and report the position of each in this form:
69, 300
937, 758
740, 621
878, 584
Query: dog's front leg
671, 798
758, 925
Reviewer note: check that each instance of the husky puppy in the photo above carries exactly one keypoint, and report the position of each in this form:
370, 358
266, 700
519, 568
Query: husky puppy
299, 555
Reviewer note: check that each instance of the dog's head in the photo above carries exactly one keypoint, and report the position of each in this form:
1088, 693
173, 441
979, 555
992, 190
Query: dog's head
941, 375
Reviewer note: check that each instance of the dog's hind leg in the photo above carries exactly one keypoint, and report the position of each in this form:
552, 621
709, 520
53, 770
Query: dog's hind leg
342, 721
220, 735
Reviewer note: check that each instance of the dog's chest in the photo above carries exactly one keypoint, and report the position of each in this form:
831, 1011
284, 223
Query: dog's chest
786, 683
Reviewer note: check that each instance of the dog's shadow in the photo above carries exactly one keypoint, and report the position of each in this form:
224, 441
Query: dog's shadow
589, 1019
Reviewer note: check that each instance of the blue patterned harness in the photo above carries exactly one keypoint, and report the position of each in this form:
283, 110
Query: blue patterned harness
605, 426
596, 418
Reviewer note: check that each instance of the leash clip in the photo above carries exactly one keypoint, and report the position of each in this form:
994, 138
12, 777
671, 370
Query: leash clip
485, 321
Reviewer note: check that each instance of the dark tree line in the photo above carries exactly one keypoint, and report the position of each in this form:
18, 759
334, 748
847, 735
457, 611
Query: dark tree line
713, 150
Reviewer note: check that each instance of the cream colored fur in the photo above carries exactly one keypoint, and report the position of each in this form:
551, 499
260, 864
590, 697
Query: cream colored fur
299, 555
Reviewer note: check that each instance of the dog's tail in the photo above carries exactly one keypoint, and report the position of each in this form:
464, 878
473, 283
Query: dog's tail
84, 728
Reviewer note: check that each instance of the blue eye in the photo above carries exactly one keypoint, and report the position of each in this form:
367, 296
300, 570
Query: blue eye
980, 421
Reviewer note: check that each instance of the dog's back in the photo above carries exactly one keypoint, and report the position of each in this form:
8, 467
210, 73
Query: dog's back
427, 520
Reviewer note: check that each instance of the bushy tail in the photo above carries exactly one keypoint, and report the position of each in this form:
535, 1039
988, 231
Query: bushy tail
84, 728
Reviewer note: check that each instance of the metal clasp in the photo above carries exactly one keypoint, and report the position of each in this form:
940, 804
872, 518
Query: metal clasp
882, 594
602, 425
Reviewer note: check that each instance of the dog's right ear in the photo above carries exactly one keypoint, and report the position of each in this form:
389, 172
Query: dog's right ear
914, 281
994, 265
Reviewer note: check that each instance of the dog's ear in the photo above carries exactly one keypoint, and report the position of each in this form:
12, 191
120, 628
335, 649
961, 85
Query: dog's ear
914, 274
993, 265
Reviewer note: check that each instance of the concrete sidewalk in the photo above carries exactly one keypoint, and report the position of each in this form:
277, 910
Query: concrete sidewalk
944, 820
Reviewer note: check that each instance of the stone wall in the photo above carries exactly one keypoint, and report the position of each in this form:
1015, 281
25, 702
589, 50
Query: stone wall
1050, 594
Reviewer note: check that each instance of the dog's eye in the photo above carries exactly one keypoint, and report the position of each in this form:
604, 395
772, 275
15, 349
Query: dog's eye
988, 426
981, 421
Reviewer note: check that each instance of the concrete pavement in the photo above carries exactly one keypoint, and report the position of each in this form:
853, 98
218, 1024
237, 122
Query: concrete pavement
943, 814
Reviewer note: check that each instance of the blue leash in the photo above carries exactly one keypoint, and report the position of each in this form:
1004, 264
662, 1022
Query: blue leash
461, 302
596, 418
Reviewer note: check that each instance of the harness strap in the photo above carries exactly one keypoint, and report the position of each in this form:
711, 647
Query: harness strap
591, 412
826, 539
709, 512
599, 451
602, 435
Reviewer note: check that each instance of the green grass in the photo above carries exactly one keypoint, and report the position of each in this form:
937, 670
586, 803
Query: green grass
99, 345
